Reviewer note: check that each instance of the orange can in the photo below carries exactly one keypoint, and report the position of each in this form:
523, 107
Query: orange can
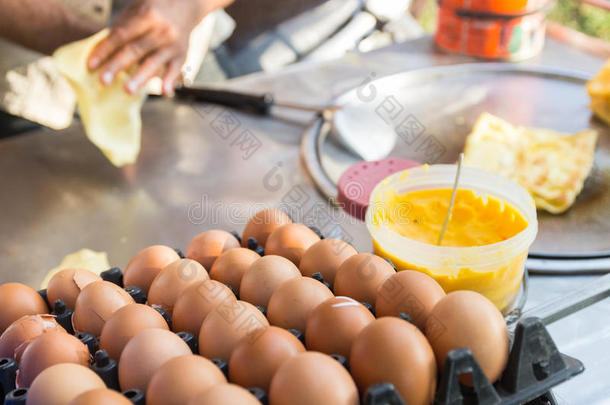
501, 30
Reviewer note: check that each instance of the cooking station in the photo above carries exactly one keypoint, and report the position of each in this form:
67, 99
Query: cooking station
204, 166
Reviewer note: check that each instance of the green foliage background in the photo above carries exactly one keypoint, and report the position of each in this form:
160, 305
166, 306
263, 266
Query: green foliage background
582, 17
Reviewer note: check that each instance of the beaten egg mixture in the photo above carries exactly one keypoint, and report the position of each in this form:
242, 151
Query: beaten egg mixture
475, 220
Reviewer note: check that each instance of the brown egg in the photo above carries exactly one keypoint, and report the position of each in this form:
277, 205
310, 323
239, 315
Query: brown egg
262, 224
225, 394
411, 292
325, 257
292, 302
360, 277
392, 350
173, 280
290, 241
67, 284
100, 396
146, 264
466, 319
207, 246
226, 325
264, 276
61, 383
17, 300
47, 350
334, 324
255, 361
125, 323
16, 337
196, 302
230, 266
95, 304
145, 353
312, 378
181, 379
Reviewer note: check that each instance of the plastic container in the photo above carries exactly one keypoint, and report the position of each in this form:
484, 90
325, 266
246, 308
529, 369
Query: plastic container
500, 30
494, 270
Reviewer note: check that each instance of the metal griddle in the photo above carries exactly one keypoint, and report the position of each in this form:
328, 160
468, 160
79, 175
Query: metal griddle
435, 109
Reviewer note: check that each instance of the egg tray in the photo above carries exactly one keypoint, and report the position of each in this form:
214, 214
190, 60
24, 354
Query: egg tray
534, 366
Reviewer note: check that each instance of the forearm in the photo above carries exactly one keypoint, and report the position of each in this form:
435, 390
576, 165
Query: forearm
42, 25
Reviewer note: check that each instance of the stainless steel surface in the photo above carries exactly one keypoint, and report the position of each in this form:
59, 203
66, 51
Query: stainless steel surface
582, 297
59, 194
567, 266
434, 109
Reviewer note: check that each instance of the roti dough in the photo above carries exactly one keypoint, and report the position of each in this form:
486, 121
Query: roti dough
110, 115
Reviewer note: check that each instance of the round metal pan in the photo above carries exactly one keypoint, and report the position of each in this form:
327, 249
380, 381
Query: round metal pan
432, 111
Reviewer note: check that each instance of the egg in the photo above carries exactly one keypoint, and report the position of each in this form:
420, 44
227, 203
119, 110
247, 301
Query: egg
290, 241
325, 257
16, 337
67, 284
125, 323
264, 276
253, 362
360, 277
225, 394
207, 246
410, 292
312, 378
196, 302
466, 319
181, 379
292, 302
95, 304
145, 353
392, 350
173, 280
226, 325
262, 224
100, 396
48, 349
146, 264
17, 300
334, 324
61, 383
230, 266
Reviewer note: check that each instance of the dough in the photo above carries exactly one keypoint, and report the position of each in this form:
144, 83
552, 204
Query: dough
111, 117
82, 259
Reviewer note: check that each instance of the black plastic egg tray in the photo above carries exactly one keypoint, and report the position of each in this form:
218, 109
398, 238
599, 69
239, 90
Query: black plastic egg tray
534, 366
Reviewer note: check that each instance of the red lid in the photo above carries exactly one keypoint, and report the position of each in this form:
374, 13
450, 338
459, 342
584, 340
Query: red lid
357, 182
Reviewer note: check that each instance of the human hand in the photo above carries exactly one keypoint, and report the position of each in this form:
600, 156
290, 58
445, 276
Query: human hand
152, 35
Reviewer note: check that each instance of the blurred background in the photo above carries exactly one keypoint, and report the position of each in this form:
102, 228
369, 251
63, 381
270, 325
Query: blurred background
264, 36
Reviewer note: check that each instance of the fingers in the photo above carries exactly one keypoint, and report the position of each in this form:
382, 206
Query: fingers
120, 35
171, 77
129, 55
149, 68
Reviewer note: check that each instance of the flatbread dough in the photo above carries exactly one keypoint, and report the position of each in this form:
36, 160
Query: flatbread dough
599, 91
111, 116
552, 166
82, 259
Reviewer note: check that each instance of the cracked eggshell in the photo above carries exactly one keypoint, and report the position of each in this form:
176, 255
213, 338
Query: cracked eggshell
16, 337
67, 285
95, 305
